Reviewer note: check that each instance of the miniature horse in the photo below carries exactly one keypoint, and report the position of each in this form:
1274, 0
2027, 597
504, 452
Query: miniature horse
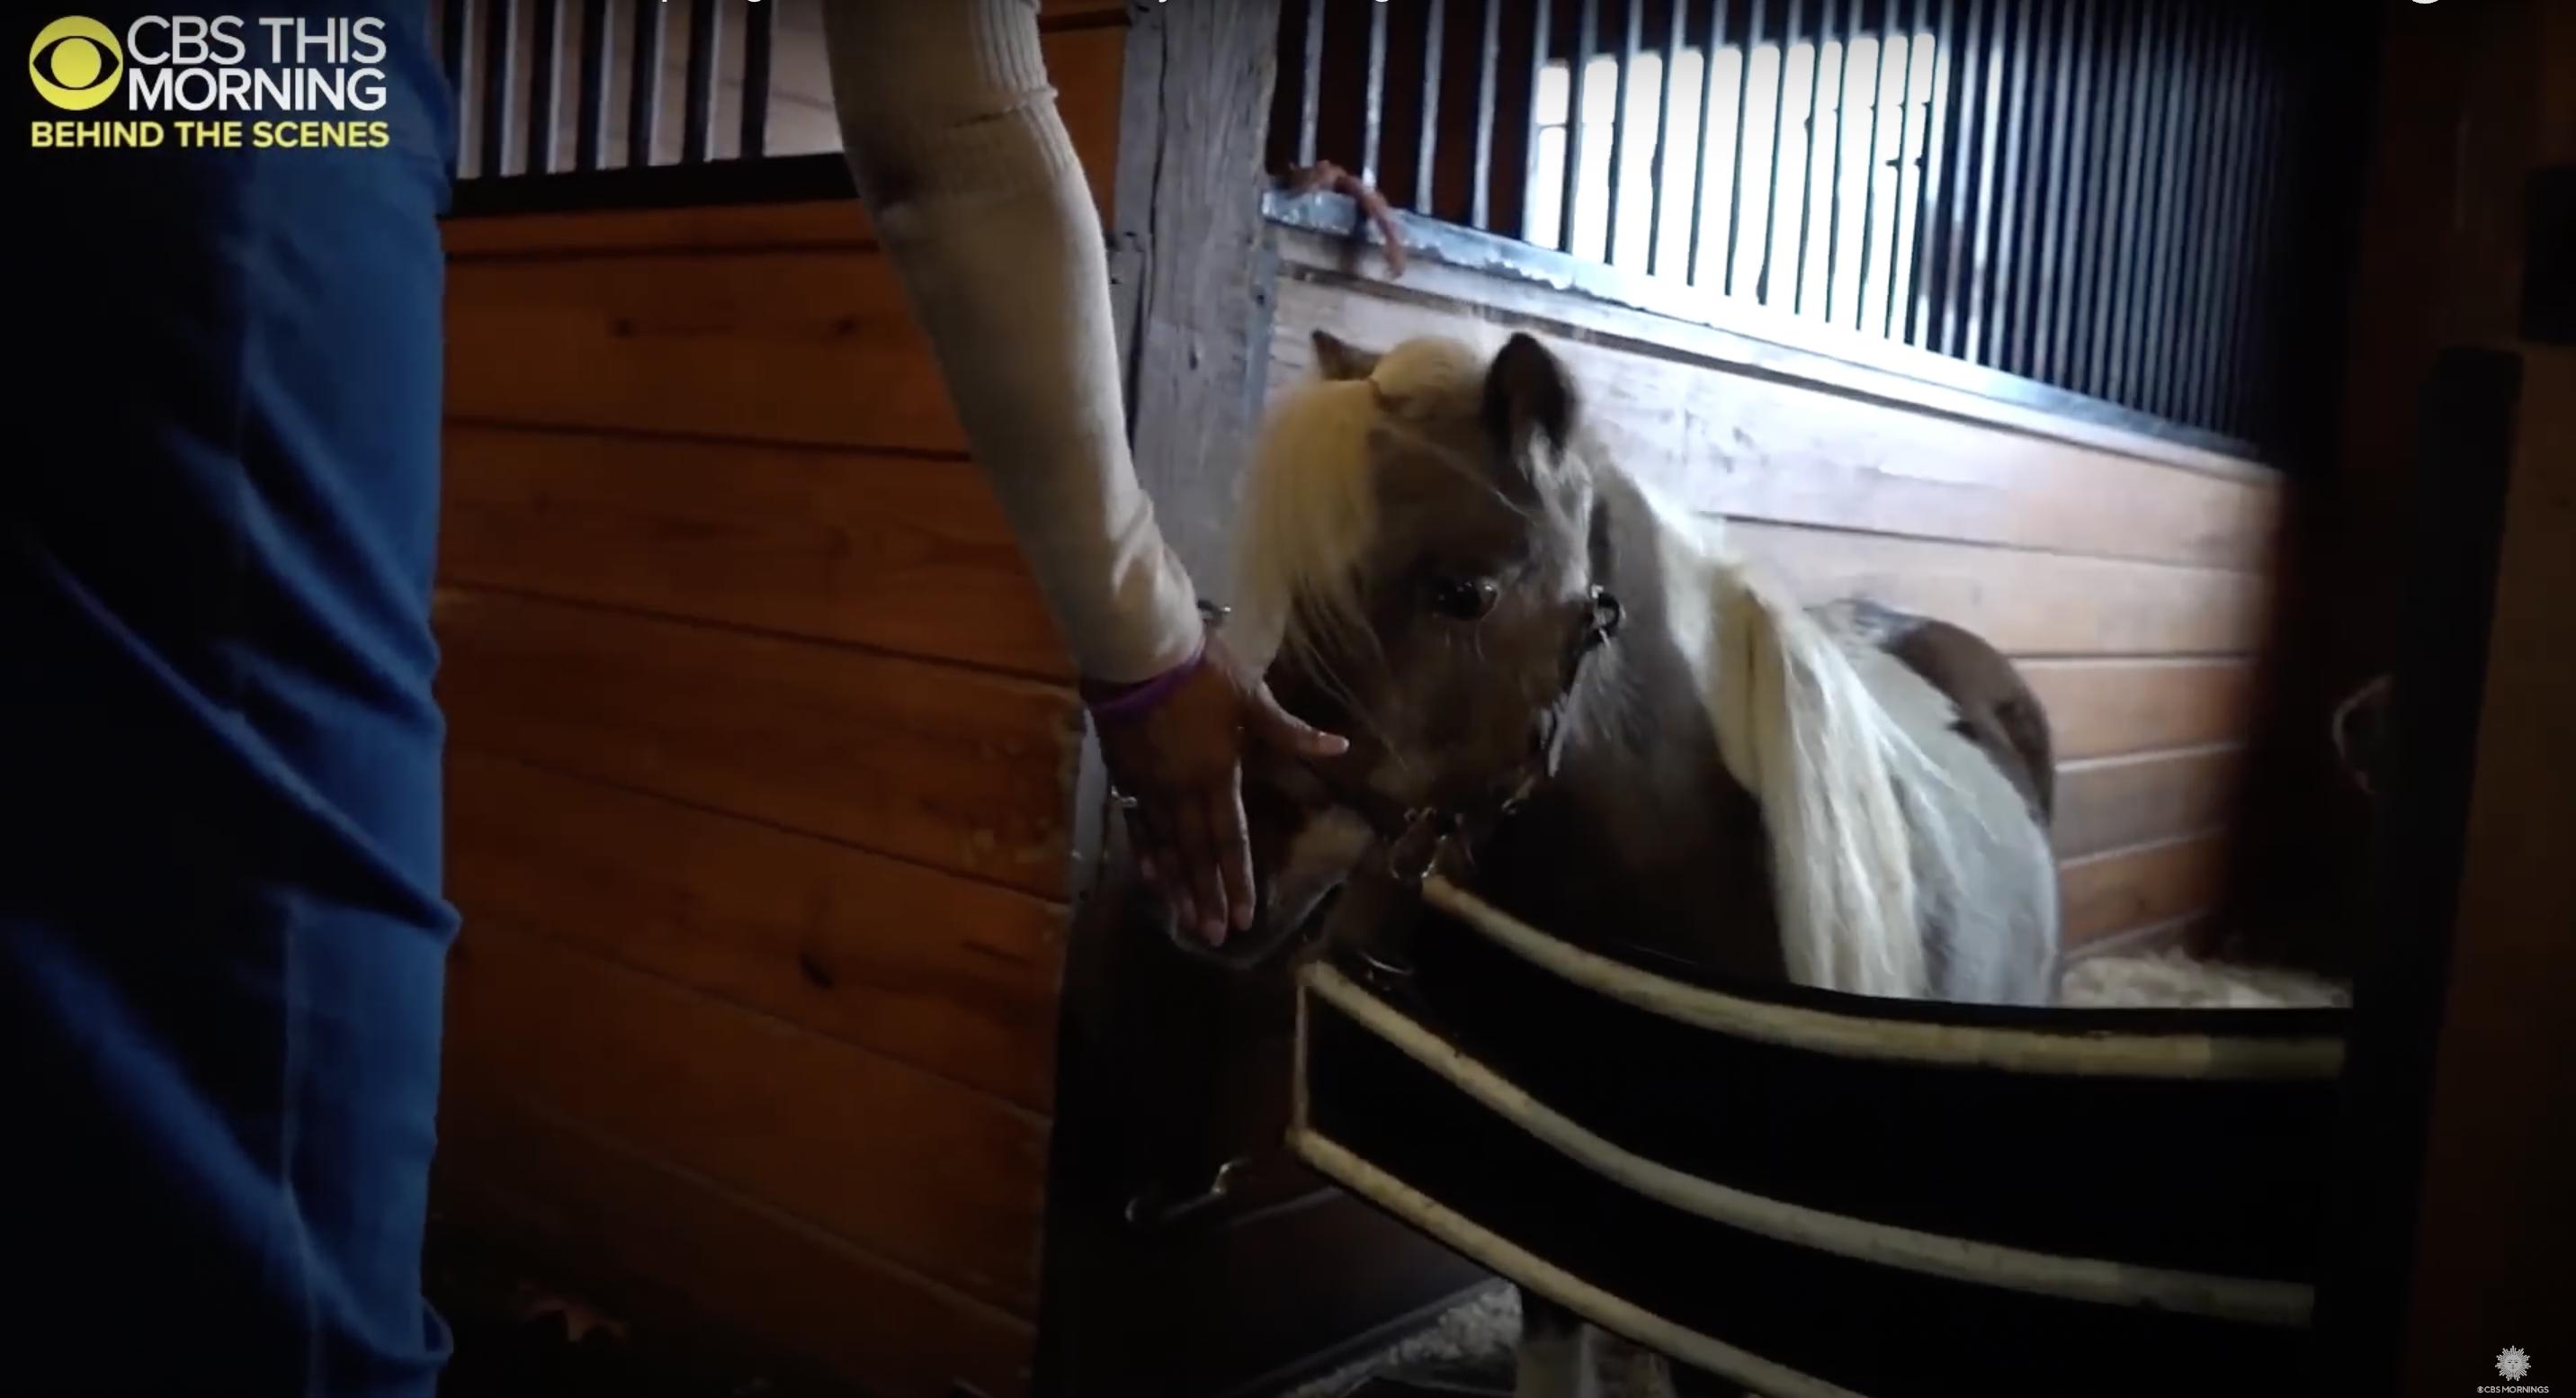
1635, 731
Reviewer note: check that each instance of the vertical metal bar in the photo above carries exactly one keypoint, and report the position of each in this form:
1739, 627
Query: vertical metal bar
1971, 175
1619, 130
2058, 282
1578, 67
1994, 194
500, 75
1480, 201
2155, 274
1310, 97
2219, 144
756, 39
545, 67
2245, 353
1707, 102
1433, 35
1735, 185
1807, 166
2136, 170
644, 84
2244, 173
1543, 15
2120, 39
2186, 253
1869, 165
455, 23
1931, 190
1659, 170
2009, 335
1896, 206
1779, 124
596, 39
1373, 125
1843, 103
697, 119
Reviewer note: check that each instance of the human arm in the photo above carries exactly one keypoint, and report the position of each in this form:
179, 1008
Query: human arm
978, 199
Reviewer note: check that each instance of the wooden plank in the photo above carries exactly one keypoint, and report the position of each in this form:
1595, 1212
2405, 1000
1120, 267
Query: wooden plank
695, 1252
900, 553
2106, 894
1754, 447
2024, 603
785, 346
944, 973
936, 1177
954, 768
2110, 803
2103, 708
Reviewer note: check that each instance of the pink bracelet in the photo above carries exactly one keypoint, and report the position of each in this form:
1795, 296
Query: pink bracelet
1134, 701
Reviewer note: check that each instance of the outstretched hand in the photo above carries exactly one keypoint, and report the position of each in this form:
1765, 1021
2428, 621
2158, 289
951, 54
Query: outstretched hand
1181, 765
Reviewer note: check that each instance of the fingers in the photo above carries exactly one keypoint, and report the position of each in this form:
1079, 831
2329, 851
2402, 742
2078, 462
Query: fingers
1159, 861
1199, 866
1285, 731
1233, 849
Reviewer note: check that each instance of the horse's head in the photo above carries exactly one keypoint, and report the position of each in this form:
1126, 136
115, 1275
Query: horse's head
1417, 573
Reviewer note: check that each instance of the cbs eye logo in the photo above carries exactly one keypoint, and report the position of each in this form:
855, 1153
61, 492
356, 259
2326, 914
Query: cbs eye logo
75, 63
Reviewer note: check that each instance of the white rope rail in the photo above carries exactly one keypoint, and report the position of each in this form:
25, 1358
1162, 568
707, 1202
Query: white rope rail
1851, 1035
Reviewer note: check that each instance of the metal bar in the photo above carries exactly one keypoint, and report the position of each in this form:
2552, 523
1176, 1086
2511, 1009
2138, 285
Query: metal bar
2135, 174
644, 83
1619, 130
1735, 184
697, 118
1977, 306
1480, 206
1968, 175
2118, 146
1931, 191
455, 22
1542, 15
1373, 124
756, 41
2252, 146
2234, 217
545, 68
596, 40
1898, 226
500, 75
2249, 351
2188, 251
1576, 70
1707, 103
2006, 327
1779, 125
2154, 281
1659, 170
2059, 283
1310, 97
1433, 36
2217, 232
1843, 103
1869, 166
1807, 164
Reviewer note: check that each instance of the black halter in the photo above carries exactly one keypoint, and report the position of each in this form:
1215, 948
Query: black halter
1416, 839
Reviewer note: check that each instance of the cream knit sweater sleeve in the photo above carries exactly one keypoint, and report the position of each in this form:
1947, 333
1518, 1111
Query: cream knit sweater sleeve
951, 130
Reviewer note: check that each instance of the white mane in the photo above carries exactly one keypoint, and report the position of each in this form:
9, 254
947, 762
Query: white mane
1845, 793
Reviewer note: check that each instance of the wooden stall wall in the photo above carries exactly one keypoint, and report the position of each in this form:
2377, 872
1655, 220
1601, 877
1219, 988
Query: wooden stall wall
2130, 578
762, 753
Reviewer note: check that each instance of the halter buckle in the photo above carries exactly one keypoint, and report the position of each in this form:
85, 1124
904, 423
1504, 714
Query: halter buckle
1413, 853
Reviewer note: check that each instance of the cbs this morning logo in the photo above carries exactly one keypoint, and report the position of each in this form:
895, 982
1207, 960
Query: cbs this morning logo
204, 74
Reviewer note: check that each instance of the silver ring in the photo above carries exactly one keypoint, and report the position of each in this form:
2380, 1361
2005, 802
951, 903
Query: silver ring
1124, 801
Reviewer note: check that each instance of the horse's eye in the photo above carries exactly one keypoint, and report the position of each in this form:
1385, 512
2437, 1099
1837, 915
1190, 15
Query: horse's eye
1463, 599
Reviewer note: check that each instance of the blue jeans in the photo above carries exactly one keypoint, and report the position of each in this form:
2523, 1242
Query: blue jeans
222, 937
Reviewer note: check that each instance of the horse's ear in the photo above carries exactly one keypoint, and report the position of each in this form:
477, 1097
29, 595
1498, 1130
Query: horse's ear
1337, 359
1527, 395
